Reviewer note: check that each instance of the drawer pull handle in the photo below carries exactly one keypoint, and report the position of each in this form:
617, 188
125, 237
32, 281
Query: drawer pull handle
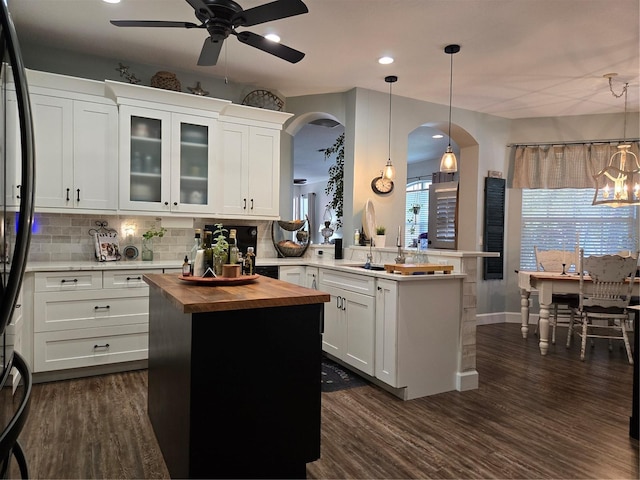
134, 278
98, 307
106, 345
78, 197
68, 194
75, 280
18, 196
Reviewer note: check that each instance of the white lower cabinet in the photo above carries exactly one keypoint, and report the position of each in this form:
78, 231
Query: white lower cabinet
292, 274
311, 277
386, 332
349, 318
89, 318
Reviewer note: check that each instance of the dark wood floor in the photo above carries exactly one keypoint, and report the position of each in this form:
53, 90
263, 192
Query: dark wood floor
532, 417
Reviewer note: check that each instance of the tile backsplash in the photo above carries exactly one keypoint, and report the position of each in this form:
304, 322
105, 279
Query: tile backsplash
66, 237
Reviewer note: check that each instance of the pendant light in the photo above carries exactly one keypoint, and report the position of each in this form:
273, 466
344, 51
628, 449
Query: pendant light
449, 163
389, 171
618, 184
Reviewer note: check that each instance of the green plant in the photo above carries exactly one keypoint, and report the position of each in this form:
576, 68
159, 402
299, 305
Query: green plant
219, 242
335, 184
149, 234
381, 230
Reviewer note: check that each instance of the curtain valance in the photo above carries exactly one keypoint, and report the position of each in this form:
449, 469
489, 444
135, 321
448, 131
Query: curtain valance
562, 166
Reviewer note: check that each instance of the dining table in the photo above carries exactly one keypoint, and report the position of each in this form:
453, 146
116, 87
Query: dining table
547, 284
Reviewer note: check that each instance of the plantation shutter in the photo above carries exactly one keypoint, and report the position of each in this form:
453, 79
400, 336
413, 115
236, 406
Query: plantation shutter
443, 215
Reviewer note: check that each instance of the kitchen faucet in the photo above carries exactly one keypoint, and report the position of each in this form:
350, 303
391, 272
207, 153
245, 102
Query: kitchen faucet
367, 265
400, 258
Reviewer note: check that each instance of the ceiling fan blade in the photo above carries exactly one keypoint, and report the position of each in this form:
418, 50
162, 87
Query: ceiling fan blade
286, 53
153, 23
271, 11
210, 52
200, 7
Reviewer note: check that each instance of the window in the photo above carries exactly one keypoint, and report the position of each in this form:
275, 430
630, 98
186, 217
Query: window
417, 212
557, 219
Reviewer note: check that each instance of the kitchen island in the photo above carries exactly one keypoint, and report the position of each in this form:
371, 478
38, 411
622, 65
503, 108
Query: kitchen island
234, 377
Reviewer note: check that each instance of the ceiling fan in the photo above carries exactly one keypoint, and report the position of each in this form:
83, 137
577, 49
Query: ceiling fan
222, 17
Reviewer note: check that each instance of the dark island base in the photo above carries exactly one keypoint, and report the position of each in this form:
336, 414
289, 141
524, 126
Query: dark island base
235, 394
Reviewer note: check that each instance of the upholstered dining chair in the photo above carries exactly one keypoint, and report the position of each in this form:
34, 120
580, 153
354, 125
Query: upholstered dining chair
563, 305
602, 309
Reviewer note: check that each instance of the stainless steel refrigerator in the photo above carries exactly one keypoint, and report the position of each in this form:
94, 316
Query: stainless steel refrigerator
15, 233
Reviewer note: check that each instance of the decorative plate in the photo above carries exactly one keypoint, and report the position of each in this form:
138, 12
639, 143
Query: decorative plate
130, 252
263, 99
369, 219
219, 281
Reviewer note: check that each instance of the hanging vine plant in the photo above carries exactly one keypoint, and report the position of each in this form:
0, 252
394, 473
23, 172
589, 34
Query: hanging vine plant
335, 184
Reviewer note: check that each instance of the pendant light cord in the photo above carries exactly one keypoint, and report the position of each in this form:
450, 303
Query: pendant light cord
390, 84
450, 95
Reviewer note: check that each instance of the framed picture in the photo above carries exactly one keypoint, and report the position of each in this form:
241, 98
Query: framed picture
107, 248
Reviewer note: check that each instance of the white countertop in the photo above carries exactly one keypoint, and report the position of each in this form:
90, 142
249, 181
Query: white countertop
350, 266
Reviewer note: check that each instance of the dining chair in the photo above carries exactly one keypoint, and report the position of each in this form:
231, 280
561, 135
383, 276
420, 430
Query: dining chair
563, 305
602, 308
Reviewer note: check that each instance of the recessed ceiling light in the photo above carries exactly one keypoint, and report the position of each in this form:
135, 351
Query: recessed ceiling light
438, 135
385, 60
111, 1
273, 37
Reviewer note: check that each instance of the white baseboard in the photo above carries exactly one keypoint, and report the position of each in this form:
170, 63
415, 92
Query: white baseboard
467, 380
503, 317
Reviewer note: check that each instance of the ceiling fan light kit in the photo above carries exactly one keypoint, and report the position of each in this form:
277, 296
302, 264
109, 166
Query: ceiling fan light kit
221, 18
449, 163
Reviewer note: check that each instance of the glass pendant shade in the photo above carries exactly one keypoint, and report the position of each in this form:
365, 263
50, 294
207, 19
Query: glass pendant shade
449, 163
389, 171
618, 184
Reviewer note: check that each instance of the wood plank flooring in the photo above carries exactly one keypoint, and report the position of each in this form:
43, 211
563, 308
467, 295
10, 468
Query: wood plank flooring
532, 417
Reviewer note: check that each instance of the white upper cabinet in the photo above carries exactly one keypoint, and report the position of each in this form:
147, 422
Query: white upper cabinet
250, 162
76, 138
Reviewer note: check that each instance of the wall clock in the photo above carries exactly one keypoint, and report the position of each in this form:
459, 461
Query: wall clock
382, 185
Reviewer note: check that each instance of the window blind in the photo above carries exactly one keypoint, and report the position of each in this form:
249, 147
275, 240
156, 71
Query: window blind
558, 219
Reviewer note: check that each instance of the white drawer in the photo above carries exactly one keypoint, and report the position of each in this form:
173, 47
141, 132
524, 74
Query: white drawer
348, 281
86, 309
68, 281
126, 278
90, 347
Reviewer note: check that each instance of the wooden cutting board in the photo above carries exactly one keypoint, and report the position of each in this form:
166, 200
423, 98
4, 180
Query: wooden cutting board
411, 268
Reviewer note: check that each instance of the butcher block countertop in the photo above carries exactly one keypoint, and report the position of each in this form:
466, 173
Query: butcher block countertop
264, 292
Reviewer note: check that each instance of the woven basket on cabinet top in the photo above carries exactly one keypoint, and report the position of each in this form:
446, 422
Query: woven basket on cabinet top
166, 80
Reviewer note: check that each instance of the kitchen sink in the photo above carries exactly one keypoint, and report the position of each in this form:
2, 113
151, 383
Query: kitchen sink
378, 268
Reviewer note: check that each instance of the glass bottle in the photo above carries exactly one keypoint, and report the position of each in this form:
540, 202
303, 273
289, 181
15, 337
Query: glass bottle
197, 244
233, 247
249, 261
208, 250
186, 267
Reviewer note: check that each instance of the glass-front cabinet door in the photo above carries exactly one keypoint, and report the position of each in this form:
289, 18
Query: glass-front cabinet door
145, 160
166, 161
192, 163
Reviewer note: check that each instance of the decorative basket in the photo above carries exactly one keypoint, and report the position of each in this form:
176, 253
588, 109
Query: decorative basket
166, 80
291, 251
291, 225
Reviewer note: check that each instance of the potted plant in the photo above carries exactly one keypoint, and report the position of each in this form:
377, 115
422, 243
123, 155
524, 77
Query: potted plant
335, 184
381, 238
220, 247
147, 242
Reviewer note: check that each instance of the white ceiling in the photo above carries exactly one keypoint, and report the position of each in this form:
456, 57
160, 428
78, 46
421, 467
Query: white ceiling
519, 58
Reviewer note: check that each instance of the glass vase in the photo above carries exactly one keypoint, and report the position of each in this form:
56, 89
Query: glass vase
217, 265
147, 249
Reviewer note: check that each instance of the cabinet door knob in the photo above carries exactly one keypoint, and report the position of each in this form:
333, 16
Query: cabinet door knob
166, 203
175, 204
379, 288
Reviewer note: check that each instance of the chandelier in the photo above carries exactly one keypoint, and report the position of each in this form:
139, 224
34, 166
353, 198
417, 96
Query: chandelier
618, 184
